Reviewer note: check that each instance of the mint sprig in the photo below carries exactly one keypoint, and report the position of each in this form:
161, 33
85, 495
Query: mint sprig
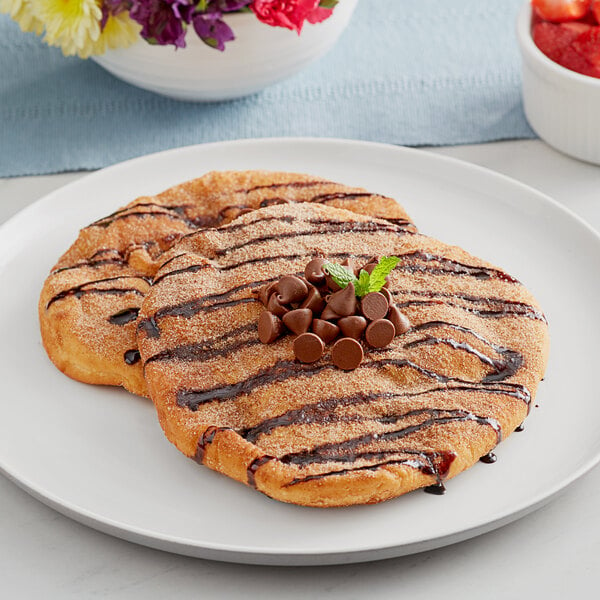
339, 274
385, 266
365, 283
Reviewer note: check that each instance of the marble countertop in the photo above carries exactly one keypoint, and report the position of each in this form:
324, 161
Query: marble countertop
552, 553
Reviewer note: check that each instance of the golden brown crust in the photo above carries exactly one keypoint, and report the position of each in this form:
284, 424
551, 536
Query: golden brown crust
109, 267
425, 408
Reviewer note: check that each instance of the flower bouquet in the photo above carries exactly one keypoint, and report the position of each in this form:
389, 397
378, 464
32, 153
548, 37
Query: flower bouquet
90, 27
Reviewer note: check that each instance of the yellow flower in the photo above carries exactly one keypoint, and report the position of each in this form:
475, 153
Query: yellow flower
72, 25
21, 11
119, 32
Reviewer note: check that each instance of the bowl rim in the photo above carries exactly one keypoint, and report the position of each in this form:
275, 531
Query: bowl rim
528, 46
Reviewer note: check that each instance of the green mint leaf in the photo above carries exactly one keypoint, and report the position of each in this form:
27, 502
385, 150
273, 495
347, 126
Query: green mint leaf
381, 271
339, 274
328, 3
362, 287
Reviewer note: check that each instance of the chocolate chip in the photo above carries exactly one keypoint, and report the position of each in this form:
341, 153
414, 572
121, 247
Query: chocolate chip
353, 326
380, 333
399, 319
374, 306
325, 330
270, 327
347, 354
343, 302
329, 314
275, 306
387, 294
314, 271
290, 289
331, 284
314, 301
351, 265
264, 292
308, 347
298, 320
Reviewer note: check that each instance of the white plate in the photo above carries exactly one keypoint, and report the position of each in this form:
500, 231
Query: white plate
99, 456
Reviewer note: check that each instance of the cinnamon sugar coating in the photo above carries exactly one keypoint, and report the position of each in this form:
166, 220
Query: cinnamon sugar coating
110, 267
419, 411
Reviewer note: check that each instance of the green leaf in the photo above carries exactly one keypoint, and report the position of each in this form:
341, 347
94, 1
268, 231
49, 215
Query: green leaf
328, 3
340, 274
381, 271
362, 287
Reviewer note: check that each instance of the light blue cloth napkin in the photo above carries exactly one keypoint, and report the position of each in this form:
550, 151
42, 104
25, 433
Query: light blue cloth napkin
426, 72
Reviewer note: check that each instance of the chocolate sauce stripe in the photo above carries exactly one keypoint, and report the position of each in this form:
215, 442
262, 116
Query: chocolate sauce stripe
79, 290
176, 208
197, 267
431, 341
290, 184
189, 308
107, 221
92, 264
323, 198
342, 451
503, 307
229, 227
350, 227
207, 349
189, 269
170, 261
284, 370
409, 462
324, 410
428, 257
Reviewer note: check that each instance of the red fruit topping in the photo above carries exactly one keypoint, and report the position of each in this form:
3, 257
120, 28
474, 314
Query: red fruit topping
575, 46
573, 60
596, 9
561, 10
553, 39
588, 45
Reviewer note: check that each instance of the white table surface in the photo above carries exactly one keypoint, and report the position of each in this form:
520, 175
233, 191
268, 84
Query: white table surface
552, 553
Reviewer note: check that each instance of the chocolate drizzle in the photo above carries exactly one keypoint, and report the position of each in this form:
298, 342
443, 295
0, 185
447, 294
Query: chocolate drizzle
489, 458
449, 267
81, 290
124, 316
327, 227
283, 370
254, 466
132, 356
206, 438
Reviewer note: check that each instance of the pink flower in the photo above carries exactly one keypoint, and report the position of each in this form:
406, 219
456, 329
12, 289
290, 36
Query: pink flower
289, 13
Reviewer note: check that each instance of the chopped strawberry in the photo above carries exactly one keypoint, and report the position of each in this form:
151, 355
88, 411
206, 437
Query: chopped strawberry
588, 45
577, 27
574, 61
552, 39
561, 10
596, 9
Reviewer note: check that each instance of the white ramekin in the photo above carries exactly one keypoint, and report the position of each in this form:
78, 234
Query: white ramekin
563, 107
259, 56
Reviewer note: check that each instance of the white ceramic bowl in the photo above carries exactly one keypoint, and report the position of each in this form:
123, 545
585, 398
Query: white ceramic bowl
563, 107
259, 56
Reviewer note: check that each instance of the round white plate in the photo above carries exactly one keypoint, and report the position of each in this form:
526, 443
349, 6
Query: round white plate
98, 454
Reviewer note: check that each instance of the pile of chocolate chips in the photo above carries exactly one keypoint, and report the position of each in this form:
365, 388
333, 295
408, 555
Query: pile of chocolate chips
319, 312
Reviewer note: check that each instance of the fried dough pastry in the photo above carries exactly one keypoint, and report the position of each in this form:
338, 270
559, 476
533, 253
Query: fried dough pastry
89, 304
419, 411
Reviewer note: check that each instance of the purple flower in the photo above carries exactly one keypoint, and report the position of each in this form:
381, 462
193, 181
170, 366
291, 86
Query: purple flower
212, 30
163, 21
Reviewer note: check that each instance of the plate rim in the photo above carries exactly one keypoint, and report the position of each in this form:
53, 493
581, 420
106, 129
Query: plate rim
288, 556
